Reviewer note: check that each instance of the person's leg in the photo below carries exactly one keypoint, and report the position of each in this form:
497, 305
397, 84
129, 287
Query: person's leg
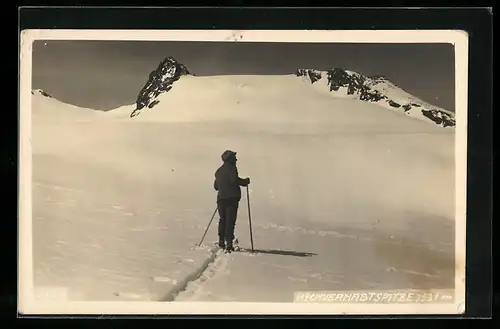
231, 215
222, 223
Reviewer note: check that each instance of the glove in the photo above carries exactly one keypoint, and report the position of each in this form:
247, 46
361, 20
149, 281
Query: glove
248, 180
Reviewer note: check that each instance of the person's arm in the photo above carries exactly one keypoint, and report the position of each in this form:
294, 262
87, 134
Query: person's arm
241, 181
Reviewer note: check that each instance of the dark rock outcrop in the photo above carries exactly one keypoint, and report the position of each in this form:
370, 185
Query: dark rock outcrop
394, 104
313, 75
340, 78
355, 83
42, 92
407, 107
371, 95
159, 81
439, 117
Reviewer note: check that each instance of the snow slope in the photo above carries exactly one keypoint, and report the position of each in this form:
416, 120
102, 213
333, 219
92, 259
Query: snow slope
50, 110
345, 195
378, 90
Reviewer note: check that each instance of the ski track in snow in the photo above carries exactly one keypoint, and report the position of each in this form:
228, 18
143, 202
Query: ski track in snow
215, 265
208, 268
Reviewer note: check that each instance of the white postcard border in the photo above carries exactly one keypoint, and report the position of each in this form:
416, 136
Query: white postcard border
28, 305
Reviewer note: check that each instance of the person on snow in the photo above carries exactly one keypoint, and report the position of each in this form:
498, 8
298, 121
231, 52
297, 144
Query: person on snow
227, 183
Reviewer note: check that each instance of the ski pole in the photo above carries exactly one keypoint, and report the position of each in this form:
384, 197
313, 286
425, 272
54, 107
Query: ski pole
208, 226
249, 218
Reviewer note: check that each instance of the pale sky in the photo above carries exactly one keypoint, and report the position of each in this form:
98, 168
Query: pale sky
106, 74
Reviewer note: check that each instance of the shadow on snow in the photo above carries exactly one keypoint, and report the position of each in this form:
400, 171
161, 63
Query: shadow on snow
281, 252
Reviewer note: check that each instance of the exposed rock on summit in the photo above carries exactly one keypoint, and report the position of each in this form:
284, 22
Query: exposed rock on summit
41, 92
439, 117
314, 75
160, 80
375, 89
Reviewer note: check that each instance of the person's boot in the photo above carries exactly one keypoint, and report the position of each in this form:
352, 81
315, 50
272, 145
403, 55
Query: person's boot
222, 244
229, 247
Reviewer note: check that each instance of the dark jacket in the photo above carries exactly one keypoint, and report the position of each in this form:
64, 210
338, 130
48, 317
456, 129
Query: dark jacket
227, 182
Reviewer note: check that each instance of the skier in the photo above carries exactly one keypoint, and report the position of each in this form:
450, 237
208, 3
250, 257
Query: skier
227, 182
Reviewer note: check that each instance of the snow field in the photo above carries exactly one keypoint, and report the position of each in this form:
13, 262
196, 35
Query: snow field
344, 195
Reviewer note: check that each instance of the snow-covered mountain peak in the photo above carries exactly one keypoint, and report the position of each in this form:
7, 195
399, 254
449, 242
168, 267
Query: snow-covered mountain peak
160, 80
377, 89
337, 82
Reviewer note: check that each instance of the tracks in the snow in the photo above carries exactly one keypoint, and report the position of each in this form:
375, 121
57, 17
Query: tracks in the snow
214, 264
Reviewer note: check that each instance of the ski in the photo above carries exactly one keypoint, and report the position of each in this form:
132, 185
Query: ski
215, 247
